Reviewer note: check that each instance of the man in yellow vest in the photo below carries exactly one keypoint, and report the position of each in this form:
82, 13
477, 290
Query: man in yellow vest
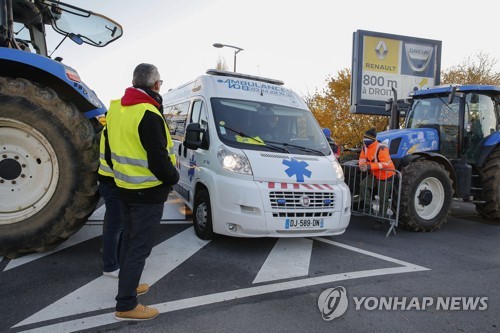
144, 171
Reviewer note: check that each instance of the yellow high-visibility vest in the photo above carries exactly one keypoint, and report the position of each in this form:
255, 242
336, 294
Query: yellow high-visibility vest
104, 168
130, 162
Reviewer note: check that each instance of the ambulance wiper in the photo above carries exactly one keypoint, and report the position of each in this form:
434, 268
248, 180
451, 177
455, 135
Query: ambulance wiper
277, 148
310, 150
258, 140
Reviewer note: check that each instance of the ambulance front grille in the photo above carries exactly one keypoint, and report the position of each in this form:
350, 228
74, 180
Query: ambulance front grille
308, 214
303, 204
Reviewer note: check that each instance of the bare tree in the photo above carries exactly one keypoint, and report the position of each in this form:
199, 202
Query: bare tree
221, 64
473, 70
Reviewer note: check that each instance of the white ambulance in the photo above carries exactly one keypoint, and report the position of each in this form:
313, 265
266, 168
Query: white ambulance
253, 161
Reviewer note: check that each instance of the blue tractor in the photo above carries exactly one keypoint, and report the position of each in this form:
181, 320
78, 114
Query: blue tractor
449, 148
48, 125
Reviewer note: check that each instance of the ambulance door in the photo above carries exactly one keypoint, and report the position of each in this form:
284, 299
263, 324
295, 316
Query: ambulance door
191, 159
176, 118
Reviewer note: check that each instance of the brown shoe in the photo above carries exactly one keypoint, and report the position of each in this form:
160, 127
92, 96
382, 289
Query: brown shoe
142, 288
141, 312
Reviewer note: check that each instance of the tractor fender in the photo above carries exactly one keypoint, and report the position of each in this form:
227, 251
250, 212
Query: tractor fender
51, 74
436, 157
486, 148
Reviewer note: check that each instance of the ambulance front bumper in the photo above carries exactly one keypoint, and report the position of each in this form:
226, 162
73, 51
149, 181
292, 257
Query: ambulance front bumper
265, 209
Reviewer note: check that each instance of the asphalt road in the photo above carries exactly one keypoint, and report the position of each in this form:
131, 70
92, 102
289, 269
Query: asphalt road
270, 285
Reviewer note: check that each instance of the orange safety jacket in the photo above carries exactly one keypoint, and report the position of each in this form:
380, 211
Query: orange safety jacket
377, 155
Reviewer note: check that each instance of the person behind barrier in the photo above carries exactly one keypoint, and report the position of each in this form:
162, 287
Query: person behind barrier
376, 161
144, 171
335, 147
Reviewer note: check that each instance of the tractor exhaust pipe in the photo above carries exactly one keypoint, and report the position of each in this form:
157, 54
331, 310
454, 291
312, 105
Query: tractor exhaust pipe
392, 106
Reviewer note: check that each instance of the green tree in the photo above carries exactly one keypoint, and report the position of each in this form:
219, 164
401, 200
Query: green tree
331, 109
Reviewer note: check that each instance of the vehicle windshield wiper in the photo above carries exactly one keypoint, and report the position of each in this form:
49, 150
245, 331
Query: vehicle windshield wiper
307, 149
259, 140
445, 103
274, 147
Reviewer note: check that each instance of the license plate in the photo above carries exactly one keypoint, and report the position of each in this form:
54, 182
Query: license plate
303, 223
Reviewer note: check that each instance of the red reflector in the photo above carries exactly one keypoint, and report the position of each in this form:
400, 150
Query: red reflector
73, 76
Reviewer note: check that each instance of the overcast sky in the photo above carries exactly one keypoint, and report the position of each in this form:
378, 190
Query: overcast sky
299, 42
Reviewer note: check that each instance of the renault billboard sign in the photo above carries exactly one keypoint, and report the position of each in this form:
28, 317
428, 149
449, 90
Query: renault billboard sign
382, 62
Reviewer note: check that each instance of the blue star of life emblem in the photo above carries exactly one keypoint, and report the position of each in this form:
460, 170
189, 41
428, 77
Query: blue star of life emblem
297, 168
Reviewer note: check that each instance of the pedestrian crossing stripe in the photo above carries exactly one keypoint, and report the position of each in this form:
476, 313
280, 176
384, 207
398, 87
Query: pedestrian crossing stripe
98, 295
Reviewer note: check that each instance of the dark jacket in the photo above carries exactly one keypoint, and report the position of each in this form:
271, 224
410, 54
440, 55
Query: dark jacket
154, 140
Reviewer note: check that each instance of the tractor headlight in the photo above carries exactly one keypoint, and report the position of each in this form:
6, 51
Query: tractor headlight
234, 162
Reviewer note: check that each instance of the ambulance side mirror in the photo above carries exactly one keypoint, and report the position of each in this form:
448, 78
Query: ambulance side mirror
193, 137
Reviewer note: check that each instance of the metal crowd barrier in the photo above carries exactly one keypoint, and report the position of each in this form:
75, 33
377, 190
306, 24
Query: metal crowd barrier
378, 198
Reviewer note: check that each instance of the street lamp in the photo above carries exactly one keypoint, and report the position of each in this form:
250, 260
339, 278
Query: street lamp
236, 50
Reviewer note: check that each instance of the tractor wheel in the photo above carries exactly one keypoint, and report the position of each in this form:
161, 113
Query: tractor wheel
202, 217
490, 179
48, 163
426, 196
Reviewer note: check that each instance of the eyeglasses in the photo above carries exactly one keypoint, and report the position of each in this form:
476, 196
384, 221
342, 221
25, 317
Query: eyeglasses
161, 82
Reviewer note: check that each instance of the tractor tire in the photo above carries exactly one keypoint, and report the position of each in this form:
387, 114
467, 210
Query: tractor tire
48, 163
202, 216
490, 179
426, 196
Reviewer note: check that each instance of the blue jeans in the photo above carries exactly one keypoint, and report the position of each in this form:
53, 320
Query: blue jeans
140, 225
112, 227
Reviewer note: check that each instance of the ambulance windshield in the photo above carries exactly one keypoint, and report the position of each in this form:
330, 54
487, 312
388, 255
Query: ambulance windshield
261, 126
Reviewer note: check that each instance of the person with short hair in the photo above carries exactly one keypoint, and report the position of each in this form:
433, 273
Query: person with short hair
267, 129
144, 171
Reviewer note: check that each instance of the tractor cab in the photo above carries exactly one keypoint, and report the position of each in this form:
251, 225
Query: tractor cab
463, 117
29, 18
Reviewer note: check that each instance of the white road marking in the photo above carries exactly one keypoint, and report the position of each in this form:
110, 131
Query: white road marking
84, 234
108, 318
290, 257
174, 210
98, 214
371, 254
162, 222
100, 293
176, 222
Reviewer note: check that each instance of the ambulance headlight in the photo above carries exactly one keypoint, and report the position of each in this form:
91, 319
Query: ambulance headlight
233, 162
338, 170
